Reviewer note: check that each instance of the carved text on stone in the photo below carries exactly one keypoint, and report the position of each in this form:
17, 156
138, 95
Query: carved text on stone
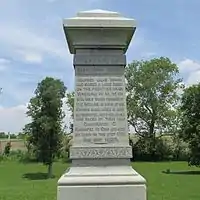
100, 108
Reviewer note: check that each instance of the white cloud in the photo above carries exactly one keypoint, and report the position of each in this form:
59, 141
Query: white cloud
193, 78
13, 119
31, 57
2, 67
190, 69
141, 47
21, 39
4, 61
188, 66
4, 64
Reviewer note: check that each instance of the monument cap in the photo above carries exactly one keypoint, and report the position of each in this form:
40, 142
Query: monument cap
100, 29
99, 18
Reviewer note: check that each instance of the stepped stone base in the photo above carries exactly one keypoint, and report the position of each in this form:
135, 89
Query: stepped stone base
101, 183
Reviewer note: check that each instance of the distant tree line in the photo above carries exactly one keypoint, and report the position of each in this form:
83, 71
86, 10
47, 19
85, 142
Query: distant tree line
17, 135
4, 135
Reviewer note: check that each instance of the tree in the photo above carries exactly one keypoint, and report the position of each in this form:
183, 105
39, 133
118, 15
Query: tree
190, 123
7, 148
70, 103
45, 129
27, 136
3, 135
152, 97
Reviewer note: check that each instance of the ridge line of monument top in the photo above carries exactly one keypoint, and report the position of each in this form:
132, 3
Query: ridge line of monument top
98, 13
99, 18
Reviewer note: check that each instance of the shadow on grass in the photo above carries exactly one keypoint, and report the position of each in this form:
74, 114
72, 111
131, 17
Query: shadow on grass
36, 176
182, 172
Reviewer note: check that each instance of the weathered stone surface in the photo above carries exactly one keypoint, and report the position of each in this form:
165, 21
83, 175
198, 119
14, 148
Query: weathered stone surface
100, 152
100, 106
99, 60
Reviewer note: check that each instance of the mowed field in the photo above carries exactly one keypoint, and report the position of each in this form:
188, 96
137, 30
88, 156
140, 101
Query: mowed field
28, 181
17, 144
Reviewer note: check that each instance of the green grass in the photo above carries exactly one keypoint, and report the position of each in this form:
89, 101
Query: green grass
183, 183
27, 181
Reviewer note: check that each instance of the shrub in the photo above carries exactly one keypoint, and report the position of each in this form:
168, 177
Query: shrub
167, 148
7, 148
142, 151
65, 150
1, 157
27, 157
21, 156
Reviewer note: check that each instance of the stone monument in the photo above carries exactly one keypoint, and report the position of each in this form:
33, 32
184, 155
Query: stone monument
100, 152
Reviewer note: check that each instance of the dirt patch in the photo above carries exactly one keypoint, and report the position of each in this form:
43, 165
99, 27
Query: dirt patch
15, 145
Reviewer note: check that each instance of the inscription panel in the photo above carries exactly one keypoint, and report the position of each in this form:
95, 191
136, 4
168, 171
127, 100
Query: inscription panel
81, 59
100, 106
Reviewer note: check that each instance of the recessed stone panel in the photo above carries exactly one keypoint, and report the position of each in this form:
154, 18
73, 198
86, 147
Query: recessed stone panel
100, 106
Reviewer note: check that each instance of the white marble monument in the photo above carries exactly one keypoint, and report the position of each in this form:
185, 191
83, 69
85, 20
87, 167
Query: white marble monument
100, 152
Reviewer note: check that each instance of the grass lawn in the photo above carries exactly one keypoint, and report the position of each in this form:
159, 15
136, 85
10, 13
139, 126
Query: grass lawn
183, 183
27, 181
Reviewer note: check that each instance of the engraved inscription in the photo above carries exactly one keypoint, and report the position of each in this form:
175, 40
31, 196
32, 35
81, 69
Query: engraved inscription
100, 108
90, 71
99, 60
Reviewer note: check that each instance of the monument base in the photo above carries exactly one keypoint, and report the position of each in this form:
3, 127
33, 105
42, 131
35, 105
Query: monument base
101, 183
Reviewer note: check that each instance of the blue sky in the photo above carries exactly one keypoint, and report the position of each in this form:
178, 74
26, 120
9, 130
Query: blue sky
32, 43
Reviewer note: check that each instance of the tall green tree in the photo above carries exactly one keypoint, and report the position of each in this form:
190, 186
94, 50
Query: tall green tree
70, 103
45, 111
152, 97
190, 125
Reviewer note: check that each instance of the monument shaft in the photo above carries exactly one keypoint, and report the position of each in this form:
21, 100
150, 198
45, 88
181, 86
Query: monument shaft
100, 115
